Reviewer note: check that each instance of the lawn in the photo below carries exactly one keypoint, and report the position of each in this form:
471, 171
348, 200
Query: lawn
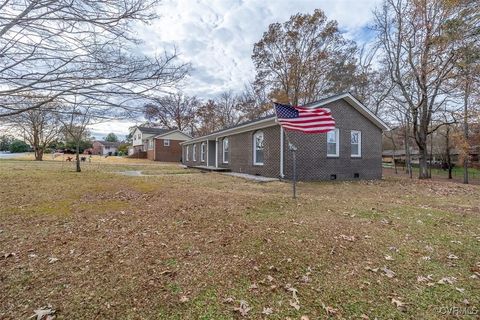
180, 244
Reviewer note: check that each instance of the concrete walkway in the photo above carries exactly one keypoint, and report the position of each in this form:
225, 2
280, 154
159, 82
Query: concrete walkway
251, 177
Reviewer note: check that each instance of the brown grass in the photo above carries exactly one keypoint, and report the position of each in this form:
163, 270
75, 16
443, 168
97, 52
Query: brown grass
135, 247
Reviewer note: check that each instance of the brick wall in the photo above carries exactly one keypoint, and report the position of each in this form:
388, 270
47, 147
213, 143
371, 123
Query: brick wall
241, 153
312, 160
97, 148
173, 153
150, 154
198, 162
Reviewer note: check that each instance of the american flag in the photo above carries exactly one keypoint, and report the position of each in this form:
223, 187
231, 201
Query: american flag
307, 120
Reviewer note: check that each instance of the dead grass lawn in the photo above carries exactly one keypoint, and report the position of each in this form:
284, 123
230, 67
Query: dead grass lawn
189, 245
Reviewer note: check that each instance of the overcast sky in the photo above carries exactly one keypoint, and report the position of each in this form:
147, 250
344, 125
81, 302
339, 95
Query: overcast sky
217, 37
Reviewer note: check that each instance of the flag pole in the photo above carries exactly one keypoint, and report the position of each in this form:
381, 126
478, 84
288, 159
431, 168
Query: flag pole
292, 148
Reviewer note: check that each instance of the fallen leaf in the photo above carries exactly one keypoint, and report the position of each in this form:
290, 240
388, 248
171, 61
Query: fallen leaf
348, 238
461, 290
267, 310
399, 304
254, 286
295, 304
447, 280
228, 300
52, 260
452, 256
243, 309
44, 313
371, 269
304, 318
184, 299
389, 273
329, 310
389, 258
424, 279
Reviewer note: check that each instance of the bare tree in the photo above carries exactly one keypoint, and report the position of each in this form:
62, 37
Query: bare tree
39, 127
304, 58
173, 111
53, 49
373, 86
228, 112
419, 55
254, 103
76, 116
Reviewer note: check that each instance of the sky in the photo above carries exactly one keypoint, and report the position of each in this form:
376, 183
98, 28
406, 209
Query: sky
216, 37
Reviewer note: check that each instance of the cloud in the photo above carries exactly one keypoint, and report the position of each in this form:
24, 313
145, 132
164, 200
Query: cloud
217, 36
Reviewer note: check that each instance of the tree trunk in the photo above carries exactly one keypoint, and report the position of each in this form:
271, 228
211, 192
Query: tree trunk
447, 152
465, 132
78, 157
38, 154
423, 164
408, 160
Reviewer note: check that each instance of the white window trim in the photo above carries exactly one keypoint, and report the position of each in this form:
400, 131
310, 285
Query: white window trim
202, 152
337, 144
359, 155
225, 160
194, 152
166, 142
255, 148
187, 155
150, 144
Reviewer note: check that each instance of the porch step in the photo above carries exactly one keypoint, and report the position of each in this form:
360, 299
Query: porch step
210, 168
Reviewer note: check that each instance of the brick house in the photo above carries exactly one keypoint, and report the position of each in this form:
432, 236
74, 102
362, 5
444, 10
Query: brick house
104, 148
352, 151
158, 144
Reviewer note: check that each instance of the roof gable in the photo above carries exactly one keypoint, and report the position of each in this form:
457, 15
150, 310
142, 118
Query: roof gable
174, 135
108, 143
360, 107
146, 130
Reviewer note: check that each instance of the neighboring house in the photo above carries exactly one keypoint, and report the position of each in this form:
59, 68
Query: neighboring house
158, 144
352, 151
105, 148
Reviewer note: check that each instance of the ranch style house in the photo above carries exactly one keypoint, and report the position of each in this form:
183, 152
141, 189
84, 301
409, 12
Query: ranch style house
261, 147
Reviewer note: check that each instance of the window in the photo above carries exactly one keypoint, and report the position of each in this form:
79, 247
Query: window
356, 141
225, 150
258, 148
202, 152
150, 144
194, 152
187, 156
166, 143
333, 143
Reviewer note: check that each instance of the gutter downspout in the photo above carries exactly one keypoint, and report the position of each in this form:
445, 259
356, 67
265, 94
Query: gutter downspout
216, 152
282, 175
207, 152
